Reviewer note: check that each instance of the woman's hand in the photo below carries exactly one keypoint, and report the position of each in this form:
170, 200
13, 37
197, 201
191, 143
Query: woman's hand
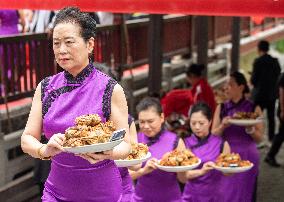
96, 157
54, 145
225, 122
250, 129
150, 166
207, 167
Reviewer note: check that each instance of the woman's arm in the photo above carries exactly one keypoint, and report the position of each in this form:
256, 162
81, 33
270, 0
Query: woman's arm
32, 132
217, 126
30, 138
183, 177
148, 168
119, 116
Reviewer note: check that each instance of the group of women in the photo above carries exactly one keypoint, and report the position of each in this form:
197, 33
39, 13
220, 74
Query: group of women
82, 89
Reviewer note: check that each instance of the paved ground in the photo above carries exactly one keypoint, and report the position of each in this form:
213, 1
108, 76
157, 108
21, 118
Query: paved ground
271, 180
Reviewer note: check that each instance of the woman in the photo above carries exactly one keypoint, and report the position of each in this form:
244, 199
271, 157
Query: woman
80, 89
153, 184
242, 187
201, 90
203, 184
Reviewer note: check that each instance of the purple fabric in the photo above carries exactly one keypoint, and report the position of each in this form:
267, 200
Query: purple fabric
206, 187
242, 185
127, 185
8, 22
72, 178
158, 185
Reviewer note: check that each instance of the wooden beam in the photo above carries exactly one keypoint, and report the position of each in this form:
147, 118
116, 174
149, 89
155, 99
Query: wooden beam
155, 38
235, 53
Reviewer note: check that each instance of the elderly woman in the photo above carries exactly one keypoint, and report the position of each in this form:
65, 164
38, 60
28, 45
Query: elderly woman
242, 140
153, 184
59, 99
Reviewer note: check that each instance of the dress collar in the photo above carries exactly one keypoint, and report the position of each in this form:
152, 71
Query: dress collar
153, 140
237, 103
200, 142
80, 78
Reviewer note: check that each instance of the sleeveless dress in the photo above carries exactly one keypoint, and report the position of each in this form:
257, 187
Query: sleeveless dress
158, 185
64, 98
206, 188
242, 185
127, 185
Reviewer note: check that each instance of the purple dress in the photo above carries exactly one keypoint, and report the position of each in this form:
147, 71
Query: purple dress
158, 185
242, 185
205, 188
8, 22
64, 98
127, 185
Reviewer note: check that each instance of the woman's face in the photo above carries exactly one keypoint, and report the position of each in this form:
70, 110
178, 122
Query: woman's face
199, 124
70, 50
150, 122
232, 89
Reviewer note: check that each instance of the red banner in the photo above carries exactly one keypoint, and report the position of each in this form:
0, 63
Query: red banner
267, 8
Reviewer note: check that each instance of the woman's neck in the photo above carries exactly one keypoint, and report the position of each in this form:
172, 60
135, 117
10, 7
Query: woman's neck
75, 71
196, 80
237, 98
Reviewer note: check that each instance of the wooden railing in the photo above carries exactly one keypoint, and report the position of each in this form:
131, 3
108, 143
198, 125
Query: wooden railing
26, 59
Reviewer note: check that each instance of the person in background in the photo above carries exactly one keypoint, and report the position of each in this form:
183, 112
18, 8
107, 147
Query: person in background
153, 184
9, 20
201, 89
42, 21
279, 138
242, 140
203, 183
105, 18
265, 74
78, 90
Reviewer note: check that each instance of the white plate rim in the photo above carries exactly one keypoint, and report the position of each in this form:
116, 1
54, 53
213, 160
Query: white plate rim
178, 168
86, 147
126, 163
233, 169
245, 122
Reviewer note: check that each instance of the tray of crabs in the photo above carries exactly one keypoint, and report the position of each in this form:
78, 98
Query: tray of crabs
178, 161
90, 135
232, 163
139, 154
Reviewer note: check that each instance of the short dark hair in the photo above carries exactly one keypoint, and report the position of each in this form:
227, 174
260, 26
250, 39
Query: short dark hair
263, 46
203, 108
195, 69
149, 102
240, 80
73, 15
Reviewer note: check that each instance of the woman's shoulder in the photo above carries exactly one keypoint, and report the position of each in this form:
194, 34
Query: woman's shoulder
216, 137
169, 134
